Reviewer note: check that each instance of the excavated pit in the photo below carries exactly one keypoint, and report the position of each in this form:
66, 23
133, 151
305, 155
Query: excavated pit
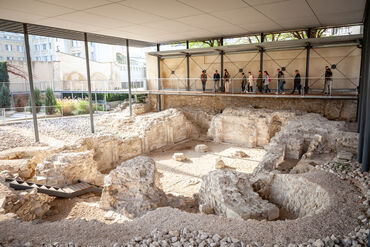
261, 153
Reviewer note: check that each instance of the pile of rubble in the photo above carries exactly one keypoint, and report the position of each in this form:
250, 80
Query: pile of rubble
27, 205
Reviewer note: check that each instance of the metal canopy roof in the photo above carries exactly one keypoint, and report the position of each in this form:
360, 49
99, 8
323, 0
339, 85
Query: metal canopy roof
17, 27
162, 21
289, 44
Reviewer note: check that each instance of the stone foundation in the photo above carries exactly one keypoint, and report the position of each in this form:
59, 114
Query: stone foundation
333, 109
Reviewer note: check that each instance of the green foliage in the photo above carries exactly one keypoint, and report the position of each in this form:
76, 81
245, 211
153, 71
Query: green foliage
50, 101
38, 101
4, 76
141, 98
116, 97
4, 96
121, 58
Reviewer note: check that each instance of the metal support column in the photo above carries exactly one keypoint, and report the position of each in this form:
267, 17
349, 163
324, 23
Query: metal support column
261, 52
222, 68
129, 75
308, 51
30, 78
187, 67
89, 83
159, 78
364, 137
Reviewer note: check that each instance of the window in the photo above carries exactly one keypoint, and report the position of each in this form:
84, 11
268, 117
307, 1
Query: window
43, 47
19, 48
8, 47
75, 43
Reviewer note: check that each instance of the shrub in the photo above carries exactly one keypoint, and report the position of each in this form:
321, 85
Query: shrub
38, 101
66, 106
83, 107
50, 101
19, 104
4, 97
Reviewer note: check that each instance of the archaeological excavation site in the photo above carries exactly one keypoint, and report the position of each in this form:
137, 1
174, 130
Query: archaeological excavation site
184, 177
184, 123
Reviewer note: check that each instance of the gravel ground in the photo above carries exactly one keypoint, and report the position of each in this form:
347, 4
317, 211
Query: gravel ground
11, 139
339, 218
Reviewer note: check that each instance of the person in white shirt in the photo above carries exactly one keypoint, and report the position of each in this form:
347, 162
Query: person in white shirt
250, 82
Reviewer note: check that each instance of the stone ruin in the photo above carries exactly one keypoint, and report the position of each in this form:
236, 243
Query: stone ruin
131, 182
230, 194
133, 189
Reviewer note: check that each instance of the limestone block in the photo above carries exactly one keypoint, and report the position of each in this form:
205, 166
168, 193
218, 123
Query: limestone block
201, 148
230, 194
138, 109
179, 156
26, 205
132, 188
219, 163
344, 155
67, 168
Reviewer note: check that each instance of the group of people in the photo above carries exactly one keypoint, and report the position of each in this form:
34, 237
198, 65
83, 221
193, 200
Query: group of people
263, 81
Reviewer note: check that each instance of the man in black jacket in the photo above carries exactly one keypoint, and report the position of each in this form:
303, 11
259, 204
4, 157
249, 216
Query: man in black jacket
297, 82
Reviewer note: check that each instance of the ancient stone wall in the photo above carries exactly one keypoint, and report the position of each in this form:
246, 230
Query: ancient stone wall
333, 109
248, 126
298, 195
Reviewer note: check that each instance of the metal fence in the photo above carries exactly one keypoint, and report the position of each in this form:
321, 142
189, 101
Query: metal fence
336, 86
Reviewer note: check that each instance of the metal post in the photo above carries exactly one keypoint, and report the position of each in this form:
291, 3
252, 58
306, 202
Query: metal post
159, 78
261, 52
96, 102
308, 52
30, 78
129, 75
188, 67
89, 83
364, 137
222, 69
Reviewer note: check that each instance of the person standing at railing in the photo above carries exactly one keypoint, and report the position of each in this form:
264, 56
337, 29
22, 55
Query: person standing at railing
216, 81
244, 82
260, 82
250, 82
281, 82
267, 81
297, 82
328, 80
227, 80
203, 78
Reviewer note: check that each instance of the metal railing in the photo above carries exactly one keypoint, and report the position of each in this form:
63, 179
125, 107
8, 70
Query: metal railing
79, 86
336, 86
14, 114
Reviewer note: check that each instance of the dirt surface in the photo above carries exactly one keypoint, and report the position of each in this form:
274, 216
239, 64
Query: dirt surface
183, 178
339, 219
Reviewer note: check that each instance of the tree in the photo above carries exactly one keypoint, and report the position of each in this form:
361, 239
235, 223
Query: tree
4, 96
38, 101
4, 76
50, 101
